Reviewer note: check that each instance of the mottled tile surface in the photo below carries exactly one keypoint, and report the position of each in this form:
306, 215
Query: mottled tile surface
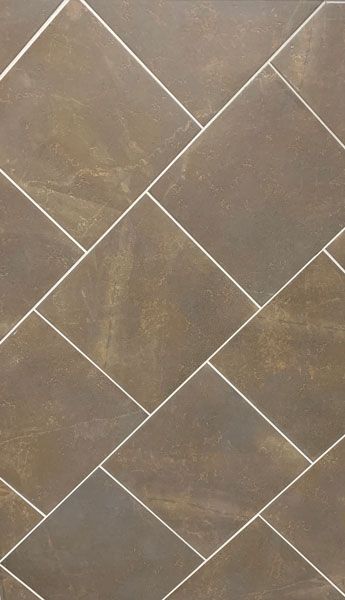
34, 254
337, 249
59, 415
11, 589
289, 360
102, 544
147, 305
84, 128
204, 51
16, 518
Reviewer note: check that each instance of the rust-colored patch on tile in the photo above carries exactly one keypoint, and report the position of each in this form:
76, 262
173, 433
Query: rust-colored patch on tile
16, 518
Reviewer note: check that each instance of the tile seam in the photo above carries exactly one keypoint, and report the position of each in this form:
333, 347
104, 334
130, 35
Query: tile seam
7, 570
26, 500
331, 257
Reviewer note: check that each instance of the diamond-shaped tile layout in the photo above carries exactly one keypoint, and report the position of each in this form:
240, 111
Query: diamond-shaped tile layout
204, 51
262, 188
101, 543
256, 564
84, 128
147, 305
16, 518
314, 64
34, 254
59, 415
311, 515
337, 249
289, 360
206, 462
11, 589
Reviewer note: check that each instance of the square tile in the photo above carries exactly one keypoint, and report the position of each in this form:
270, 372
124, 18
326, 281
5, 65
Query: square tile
59, 415
337, 249
204, 51
34, 254
147, 305
206, 462
84, 128
103, 544
11, 589
16, 519
289, 360
262, 189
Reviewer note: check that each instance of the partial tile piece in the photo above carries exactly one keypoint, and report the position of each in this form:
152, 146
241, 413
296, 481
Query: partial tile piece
314, 64
84, 129
256, 564
147, 305
59, 416
204, 51
103, 544
337, 249
289, 360
310, 515
11, 589
262, 189
16, 518
206, 462
34, 254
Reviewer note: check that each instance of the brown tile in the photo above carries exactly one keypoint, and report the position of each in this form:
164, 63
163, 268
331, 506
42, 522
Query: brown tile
206, 462
314, 63
11, 589
289, 360
19, 21
16, 518
337, 249
256, 564
84, 128
147, 305
34, 254
311, 515
204, 51
262, 189
101, 543
59, 415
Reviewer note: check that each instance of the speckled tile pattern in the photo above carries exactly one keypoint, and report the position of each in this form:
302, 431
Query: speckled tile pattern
172, 300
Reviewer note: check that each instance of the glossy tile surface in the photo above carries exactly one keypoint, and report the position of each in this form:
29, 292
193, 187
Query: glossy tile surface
239, 188
289, 360
59, 415
204, 51
11, 589
337, 249
16, 518
101, 542
84, 128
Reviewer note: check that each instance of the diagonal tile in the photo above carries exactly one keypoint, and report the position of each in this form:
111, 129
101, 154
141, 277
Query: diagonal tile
206, 462
101, 543
311, 515
84, 128
257, 564
337, 249
314, 63
204, 51
59, 415
16, 518
34, 254
147, 305
262, 189
289, 360
11, 589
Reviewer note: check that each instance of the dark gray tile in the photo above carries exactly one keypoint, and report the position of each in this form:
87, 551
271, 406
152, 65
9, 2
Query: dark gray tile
16, 519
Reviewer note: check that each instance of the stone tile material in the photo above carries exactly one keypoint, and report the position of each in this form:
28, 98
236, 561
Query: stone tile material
206, 462
289, 360
84, 128
311, 515
261, 189
314, 64
256, 564
337, 249
16, 519
59, 415
147, 305
34, 254
11, 589
204, 51
103, 544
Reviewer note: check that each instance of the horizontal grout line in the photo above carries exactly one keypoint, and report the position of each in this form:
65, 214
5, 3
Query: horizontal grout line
21, 582
334, 260
22, 497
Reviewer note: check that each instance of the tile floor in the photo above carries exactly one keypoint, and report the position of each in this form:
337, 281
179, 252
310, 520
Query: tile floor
172, 300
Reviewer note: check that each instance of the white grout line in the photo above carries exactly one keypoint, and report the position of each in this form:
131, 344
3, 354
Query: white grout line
141, 63
90, 360
334, 260
22, 497
21, 582
260, 412
41, 209
152, 513
203, 249
302, 555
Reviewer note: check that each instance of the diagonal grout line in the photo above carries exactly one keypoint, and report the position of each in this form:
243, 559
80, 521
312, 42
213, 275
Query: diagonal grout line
22, 497
152, 513
260, 412
334, 260
20, 581
41, 210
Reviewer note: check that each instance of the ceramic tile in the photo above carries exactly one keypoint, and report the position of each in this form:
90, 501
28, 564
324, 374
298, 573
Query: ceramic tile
16, 518
11, 589
337, 249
